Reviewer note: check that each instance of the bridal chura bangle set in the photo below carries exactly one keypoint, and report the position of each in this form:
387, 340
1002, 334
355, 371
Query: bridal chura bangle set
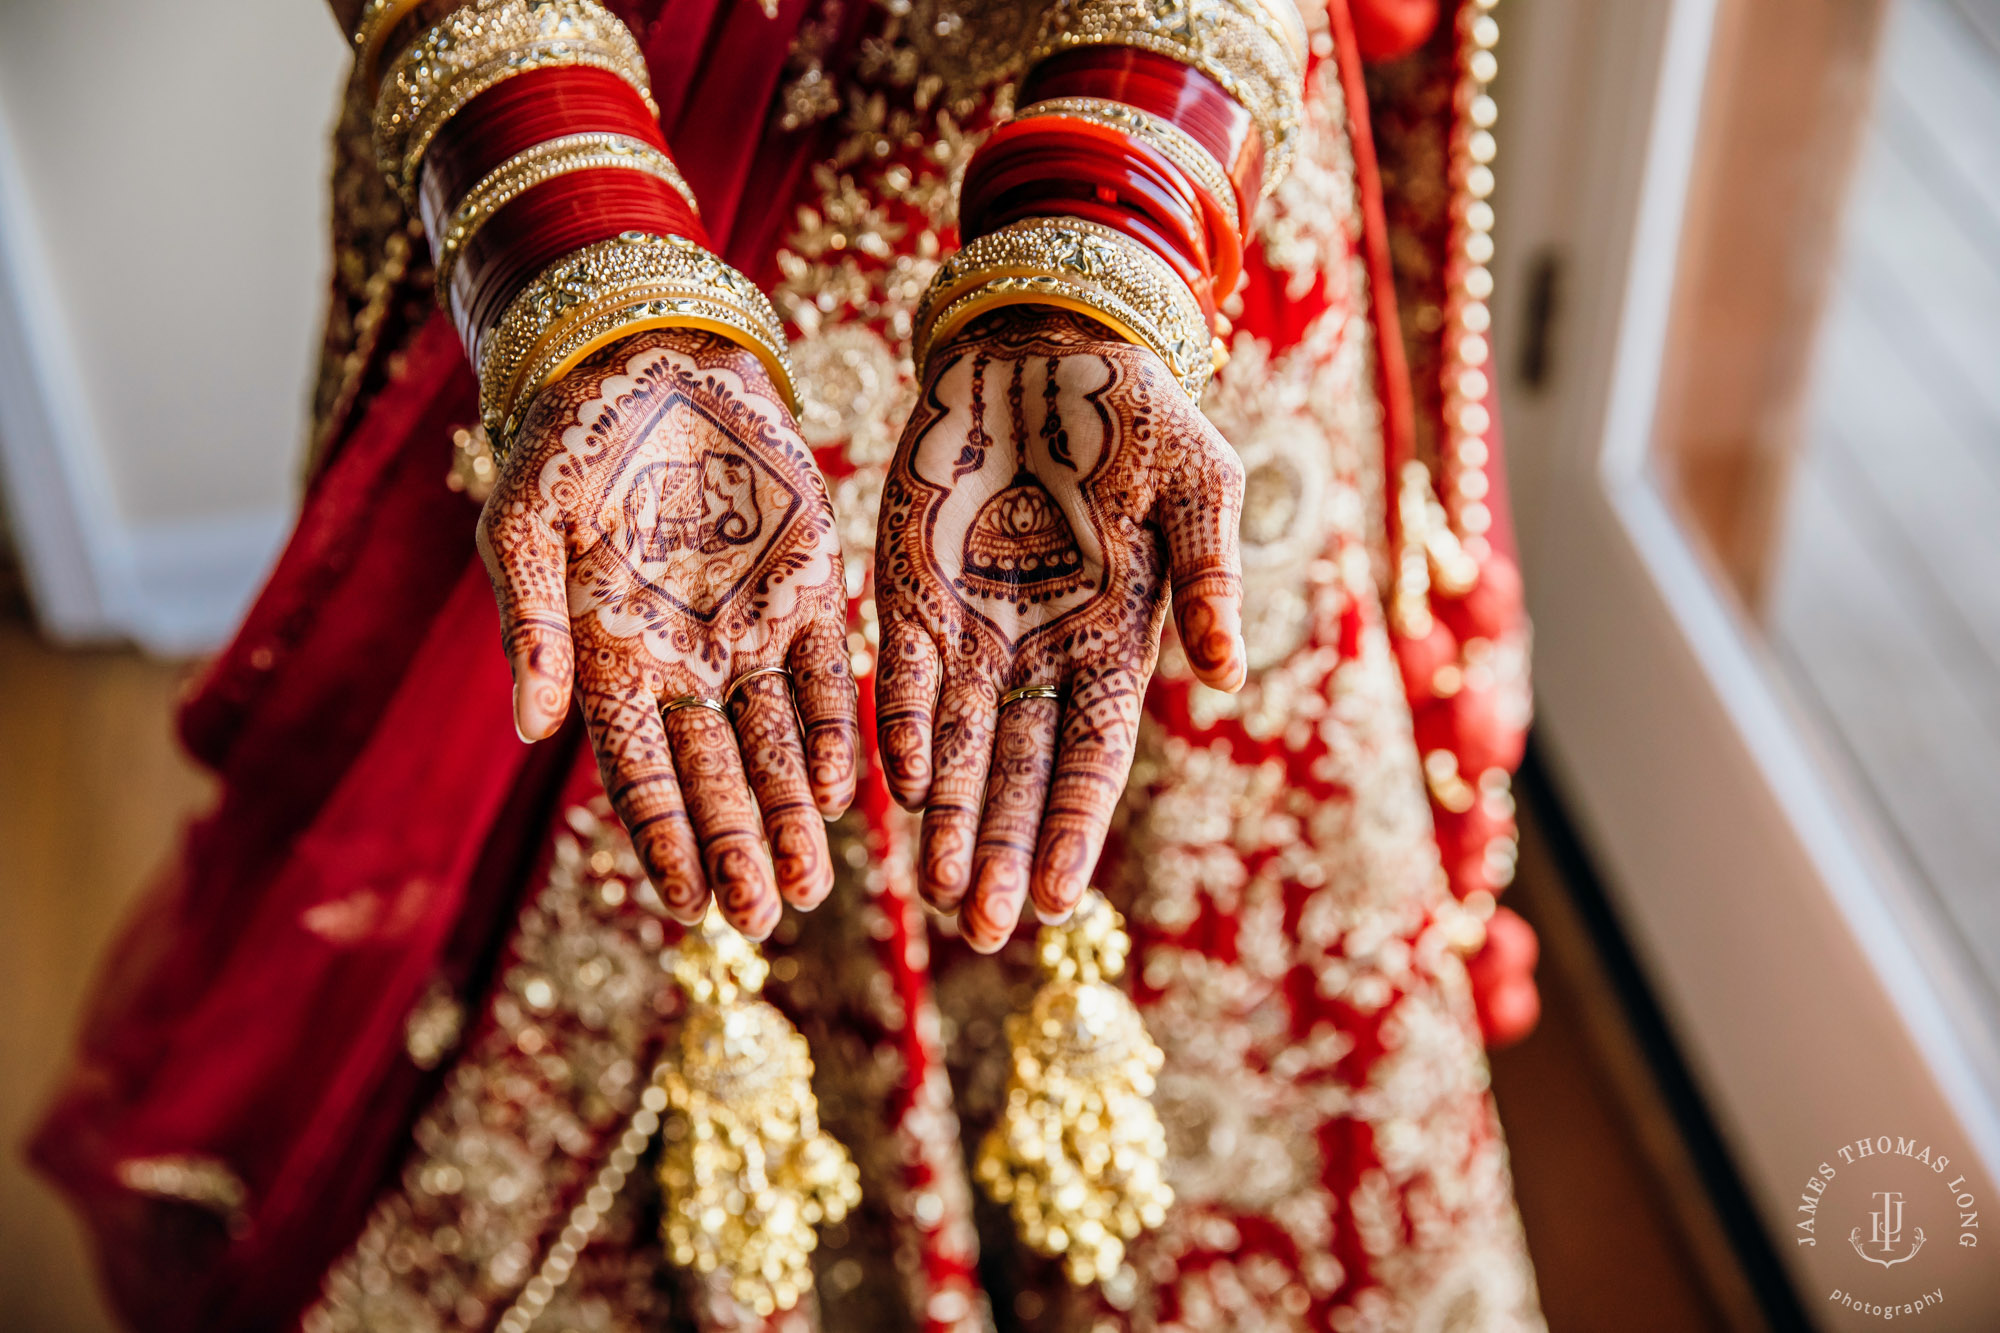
1148, 132
525, 136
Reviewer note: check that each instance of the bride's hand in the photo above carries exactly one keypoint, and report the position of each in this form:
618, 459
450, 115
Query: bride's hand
1050, 485
660, 533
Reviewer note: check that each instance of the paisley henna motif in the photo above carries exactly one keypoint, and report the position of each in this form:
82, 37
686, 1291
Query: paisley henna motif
659, 531
1050, 485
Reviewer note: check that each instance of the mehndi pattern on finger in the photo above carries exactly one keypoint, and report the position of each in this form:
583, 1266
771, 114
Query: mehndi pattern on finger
1017, 790
767, 731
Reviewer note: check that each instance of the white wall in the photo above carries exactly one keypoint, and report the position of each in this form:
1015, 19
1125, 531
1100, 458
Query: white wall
162, 274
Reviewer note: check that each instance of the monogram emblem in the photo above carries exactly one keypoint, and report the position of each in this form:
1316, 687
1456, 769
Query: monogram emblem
1886, 1232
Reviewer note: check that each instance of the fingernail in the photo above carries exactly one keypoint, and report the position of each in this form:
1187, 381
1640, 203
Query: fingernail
1241, 675
1049, 918
689, 917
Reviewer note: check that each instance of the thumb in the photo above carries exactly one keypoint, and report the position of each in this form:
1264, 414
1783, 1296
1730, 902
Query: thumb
1201, 514
525, 559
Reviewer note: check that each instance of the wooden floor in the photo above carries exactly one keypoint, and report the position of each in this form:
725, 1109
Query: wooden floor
1886, 607
91, 793
1624, 1229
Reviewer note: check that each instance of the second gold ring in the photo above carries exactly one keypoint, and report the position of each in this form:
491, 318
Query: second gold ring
693, 701
749, 676
1020, 692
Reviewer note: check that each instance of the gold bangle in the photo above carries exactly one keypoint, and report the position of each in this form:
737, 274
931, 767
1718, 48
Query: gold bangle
378, 20
1030, 692
751, 675
692, 701
1075, 265
1173, 143
534, 166
1290, 25
1245, 45
478, 46
610, 290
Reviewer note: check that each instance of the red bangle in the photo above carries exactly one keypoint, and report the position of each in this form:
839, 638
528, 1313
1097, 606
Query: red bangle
1214, 249
1190, 99
1049, 167
517, 114
1069, 160
552, 220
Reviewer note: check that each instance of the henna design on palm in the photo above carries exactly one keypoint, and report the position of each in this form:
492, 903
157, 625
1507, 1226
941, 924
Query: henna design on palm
1050, 485
659, 531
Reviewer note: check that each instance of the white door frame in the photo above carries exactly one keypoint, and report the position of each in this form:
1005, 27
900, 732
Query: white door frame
1808, 995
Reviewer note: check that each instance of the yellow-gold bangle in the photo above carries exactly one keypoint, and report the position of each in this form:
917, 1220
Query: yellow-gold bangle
378, 20
1071, 264
534, 166
477, 47
611, 290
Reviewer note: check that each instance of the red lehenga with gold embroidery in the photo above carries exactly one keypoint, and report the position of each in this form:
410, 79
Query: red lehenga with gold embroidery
386, 1030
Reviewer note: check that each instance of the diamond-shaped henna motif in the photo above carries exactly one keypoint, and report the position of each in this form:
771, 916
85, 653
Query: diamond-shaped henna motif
727, 504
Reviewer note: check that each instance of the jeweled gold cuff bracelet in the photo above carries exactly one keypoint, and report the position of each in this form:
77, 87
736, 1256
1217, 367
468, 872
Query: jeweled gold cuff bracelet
1075, 265
478, 46
611, 290
1255, 49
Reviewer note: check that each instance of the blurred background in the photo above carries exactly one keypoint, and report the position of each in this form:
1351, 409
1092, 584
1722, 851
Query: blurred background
1749, 328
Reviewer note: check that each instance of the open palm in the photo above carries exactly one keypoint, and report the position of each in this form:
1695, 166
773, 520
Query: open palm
1051, 484
660, 536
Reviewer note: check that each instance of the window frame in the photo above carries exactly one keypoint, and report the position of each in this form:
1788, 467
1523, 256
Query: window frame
1813, 1001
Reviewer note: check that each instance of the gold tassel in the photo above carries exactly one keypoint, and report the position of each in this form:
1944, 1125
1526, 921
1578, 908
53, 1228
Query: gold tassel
746, 1172
1079, 1151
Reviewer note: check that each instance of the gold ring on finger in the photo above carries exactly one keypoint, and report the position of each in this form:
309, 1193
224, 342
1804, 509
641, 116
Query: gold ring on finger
692, 701
751, 675
1030, 692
